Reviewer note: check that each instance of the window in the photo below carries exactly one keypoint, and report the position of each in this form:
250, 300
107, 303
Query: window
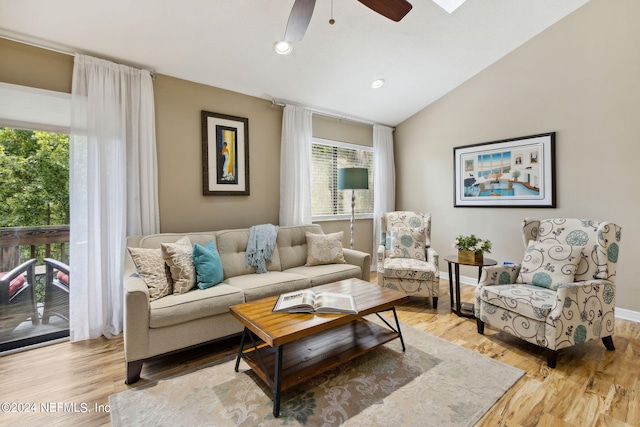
327, 202
34, 215
38, 109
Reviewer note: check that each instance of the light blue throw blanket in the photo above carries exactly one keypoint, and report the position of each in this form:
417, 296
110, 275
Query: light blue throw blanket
262, 240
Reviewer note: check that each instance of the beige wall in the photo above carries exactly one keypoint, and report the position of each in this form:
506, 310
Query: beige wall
579, 78
342, 130
25, 65
179, 141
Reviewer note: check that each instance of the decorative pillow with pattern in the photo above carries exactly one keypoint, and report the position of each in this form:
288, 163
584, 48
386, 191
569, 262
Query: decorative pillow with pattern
549, 264
324, 248
407, 242
153, 270
178, 257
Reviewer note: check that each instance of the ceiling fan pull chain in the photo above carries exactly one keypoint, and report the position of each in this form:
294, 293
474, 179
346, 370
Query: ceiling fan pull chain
332, 21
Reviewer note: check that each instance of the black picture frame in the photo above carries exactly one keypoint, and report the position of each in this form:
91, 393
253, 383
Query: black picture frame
225, 155
517, 172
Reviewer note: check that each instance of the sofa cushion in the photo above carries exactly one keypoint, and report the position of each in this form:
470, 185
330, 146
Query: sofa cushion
256, 286
154, 241
195, 304
206, 260
153, 270
292, 244
322, 274
549, 264
178, 257
232, 247
324, 248
63, 277
15, 284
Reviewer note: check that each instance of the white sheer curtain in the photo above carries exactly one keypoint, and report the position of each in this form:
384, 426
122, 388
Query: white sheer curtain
295, 166
384, 180
113, 187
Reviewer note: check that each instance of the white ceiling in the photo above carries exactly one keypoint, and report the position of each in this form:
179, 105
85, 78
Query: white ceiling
229, 44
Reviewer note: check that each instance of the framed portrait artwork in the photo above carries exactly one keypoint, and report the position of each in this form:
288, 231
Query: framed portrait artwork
225, 155
517, 172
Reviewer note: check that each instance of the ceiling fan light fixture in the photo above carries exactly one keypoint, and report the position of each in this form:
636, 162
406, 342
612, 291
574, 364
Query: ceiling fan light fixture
283, 47
378, 83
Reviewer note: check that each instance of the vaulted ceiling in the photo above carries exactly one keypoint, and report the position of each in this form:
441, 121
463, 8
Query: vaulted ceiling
229, 44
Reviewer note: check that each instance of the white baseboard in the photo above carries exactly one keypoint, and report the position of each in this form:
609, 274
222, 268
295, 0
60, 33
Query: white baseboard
621, 313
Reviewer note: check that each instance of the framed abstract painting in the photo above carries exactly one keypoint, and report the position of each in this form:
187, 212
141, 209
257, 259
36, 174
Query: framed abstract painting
225, 155
517, 172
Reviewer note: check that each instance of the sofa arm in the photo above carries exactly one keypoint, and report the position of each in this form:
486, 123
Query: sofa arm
499, 275
361, 259
136, 318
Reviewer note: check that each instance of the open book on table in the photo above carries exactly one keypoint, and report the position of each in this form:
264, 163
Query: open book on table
308, 301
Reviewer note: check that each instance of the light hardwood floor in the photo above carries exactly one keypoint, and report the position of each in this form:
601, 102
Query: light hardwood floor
69, 384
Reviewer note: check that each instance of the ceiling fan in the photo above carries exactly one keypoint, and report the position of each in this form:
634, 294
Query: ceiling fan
302, 10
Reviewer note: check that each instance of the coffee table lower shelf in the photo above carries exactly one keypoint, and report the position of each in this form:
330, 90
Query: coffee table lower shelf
287, 365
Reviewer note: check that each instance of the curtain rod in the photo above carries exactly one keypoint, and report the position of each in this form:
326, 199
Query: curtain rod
275, 103
62, 51
34, 44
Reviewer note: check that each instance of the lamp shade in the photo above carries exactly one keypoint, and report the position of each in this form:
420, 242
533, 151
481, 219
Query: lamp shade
353, 179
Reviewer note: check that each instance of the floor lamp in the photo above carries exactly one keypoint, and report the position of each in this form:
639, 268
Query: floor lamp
353, 179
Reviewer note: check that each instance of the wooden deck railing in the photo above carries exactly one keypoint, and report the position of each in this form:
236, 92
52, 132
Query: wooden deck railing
49, 241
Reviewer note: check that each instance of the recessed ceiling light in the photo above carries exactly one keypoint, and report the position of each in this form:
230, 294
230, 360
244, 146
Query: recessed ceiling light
377, 83
283, 48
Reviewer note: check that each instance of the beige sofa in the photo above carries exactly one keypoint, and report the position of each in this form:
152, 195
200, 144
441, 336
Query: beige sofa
177, 322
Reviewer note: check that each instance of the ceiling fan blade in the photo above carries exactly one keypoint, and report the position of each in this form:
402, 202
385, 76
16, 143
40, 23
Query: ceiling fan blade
392, 9
299, 20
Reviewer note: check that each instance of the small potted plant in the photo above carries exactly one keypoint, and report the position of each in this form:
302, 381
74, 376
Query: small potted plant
471, 248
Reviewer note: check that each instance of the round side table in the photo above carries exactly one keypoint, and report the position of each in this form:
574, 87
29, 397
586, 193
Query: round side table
459, 308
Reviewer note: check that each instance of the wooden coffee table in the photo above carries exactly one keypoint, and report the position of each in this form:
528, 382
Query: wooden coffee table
287, 348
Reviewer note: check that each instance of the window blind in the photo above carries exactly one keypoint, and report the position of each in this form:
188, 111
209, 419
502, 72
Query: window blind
26, 107
326, 158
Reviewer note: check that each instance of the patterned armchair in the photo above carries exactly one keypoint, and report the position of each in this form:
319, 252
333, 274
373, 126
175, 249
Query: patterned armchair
563, 293
406, 261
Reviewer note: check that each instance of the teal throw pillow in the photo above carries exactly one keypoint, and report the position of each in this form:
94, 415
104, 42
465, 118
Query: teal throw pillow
208, 265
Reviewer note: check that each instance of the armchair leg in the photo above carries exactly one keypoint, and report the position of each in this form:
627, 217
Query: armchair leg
480, 325
552, 358
133, 371
434, 302
608, 342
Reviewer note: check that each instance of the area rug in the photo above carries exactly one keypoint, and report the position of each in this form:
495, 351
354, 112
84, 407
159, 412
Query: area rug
433, 383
